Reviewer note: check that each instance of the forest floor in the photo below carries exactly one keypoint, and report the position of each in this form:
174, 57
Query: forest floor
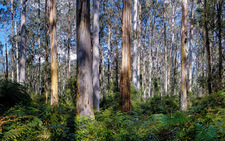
155, 119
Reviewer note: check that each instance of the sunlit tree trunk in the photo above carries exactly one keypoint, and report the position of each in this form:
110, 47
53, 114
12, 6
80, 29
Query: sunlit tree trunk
125, 104
54, 76
135, 51
207, 47
184, 51
95, 65
84, 76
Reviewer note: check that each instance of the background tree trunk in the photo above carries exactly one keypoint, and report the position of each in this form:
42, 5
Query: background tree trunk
6, 56
190, 49
135, 50
207, 47
165, 47
46, 50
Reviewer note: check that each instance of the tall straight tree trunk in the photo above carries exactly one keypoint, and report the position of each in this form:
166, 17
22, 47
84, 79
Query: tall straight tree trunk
184, 51
165, 47
125, 104
219, 22
207, 47
23, 42
139, 47
109, 52
68, 44
95, 65
144, 65
17, 53
150, 58
190, 49
39, 45
173, 50
84, 76
102, 69
46, 50
6, 56
135, 50
117, 68
54, 75
12, 40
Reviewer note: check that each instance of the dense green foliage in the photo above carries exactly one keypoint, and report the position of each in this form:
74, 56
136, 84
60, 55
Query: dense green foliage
156, 119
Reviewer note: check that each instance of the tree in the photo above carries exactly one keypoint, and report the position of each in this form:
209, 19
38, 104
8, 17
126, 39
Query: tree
125, 104
54, 77
84, 66
46, 50
95, 66
23, 42
6, 55
190, 49
219, 23
165, 46
135, 56
207, 47
184, 51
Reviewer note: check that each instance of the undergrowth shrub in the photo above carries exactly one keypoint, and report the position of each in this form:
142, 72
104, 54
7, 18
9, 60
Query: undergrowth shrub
12, 93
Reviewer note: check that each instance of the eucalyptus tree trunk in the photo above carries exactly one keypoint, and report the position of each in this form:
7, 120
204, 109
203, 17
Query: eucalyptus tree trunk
150, 58
173, 50
46, 50
102, 69
54, 76
84, 76
184, 51
68, 44
125, 103
17, 53
95, 65
219, 22
207, 47
12, 40
165, 47
190, 49
23, 42
109, 46
144, 65
39, 45
135, 50
139, 47
117, 68
6, 56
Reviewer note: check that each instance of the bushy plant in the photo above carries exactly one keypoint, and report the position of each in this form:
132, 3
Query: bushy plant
12, 93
